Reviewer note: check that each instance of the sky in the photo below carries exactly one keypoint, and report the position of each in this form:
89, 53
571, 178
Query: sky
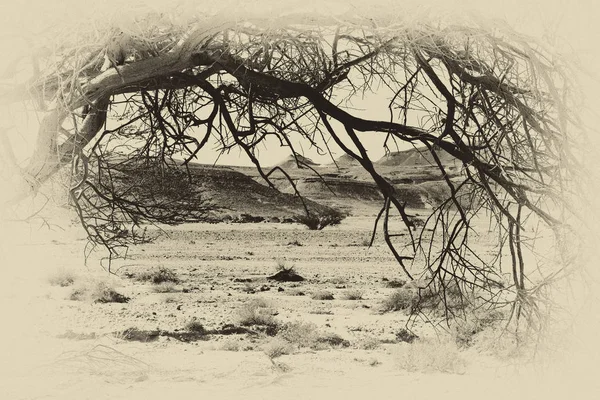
569, 26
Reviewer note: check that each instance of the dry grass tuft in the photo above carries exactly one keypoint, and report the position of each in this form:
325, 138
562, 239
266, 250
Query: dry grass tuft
400, 300
353, 294
307, 334
195, 327
158, 275
165, 287
62, 278
230, 345
322, 295
257, 312
97, 291
318, 222
277, 347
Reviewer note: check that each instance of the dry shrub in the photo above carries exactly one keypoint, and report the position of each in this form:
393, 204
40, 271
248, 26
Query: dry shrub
158, 275
170, 299
353, 294
368, 343
282, 266
137, 335
404, 335
395, 284
195, 327
277, 347
257, 312
418, 295
97, 291
302, 334
322, 295
328, 339
165, 287
464, 330
62, 278
306, 334
400, 300
318, 222
432, 356
230, 345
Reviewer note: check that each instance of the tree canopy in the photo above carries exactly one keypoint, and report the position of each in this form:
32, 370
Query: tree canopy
147, 96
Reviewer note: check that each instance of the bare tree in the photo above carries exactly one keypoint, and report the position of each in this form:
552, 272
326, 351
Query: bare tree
496, 101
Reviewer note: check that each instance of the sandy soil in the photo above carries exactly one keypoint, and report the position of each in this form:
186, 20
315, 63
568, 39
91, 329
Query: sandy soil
57, 348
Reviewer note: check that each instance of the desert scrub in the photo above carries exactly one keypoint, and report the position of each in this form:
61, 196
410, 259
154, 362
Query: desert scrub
404, 335
400, 300
465, 330
165, 287
282, 266
158, 275
230, 345
318, 222
257, 312
196, 327
277, 347
62, 278
418, 295
98, 292
302, 334
368, 343
432, 356
353, 294
322, 295
395, 284
306, 334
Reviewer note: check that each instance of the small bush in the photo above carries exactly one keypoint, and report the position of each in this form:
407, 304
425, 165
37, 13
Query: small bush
418, 296
256, 312
337, 280
230, 345
322, 295
432, 356
401, 300
404, 335
282, 266
170, 299
302, 334
277, 347
306, 334
395, 284
465, 330
158, 276
138, 335
353, 295
98, 292
62, 278
332, 339
165, 287
195, 327
318, 222
368, 343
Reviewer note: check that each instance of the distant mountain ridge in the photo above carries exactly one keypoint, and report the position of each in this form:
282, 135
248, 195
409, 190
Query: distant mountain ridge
420, 156
297, 162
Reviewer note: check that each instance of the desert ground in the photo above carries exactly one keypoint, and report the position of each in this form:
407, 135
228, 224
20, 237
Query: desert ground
221, 328
196, 311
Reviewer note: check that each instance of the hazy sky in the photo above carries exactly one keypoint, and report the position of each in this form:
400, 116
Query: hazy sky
571, 25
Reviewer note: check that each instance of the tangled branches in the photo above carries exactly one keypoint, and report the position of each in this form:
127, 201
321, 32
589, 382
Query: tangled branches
495, 102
